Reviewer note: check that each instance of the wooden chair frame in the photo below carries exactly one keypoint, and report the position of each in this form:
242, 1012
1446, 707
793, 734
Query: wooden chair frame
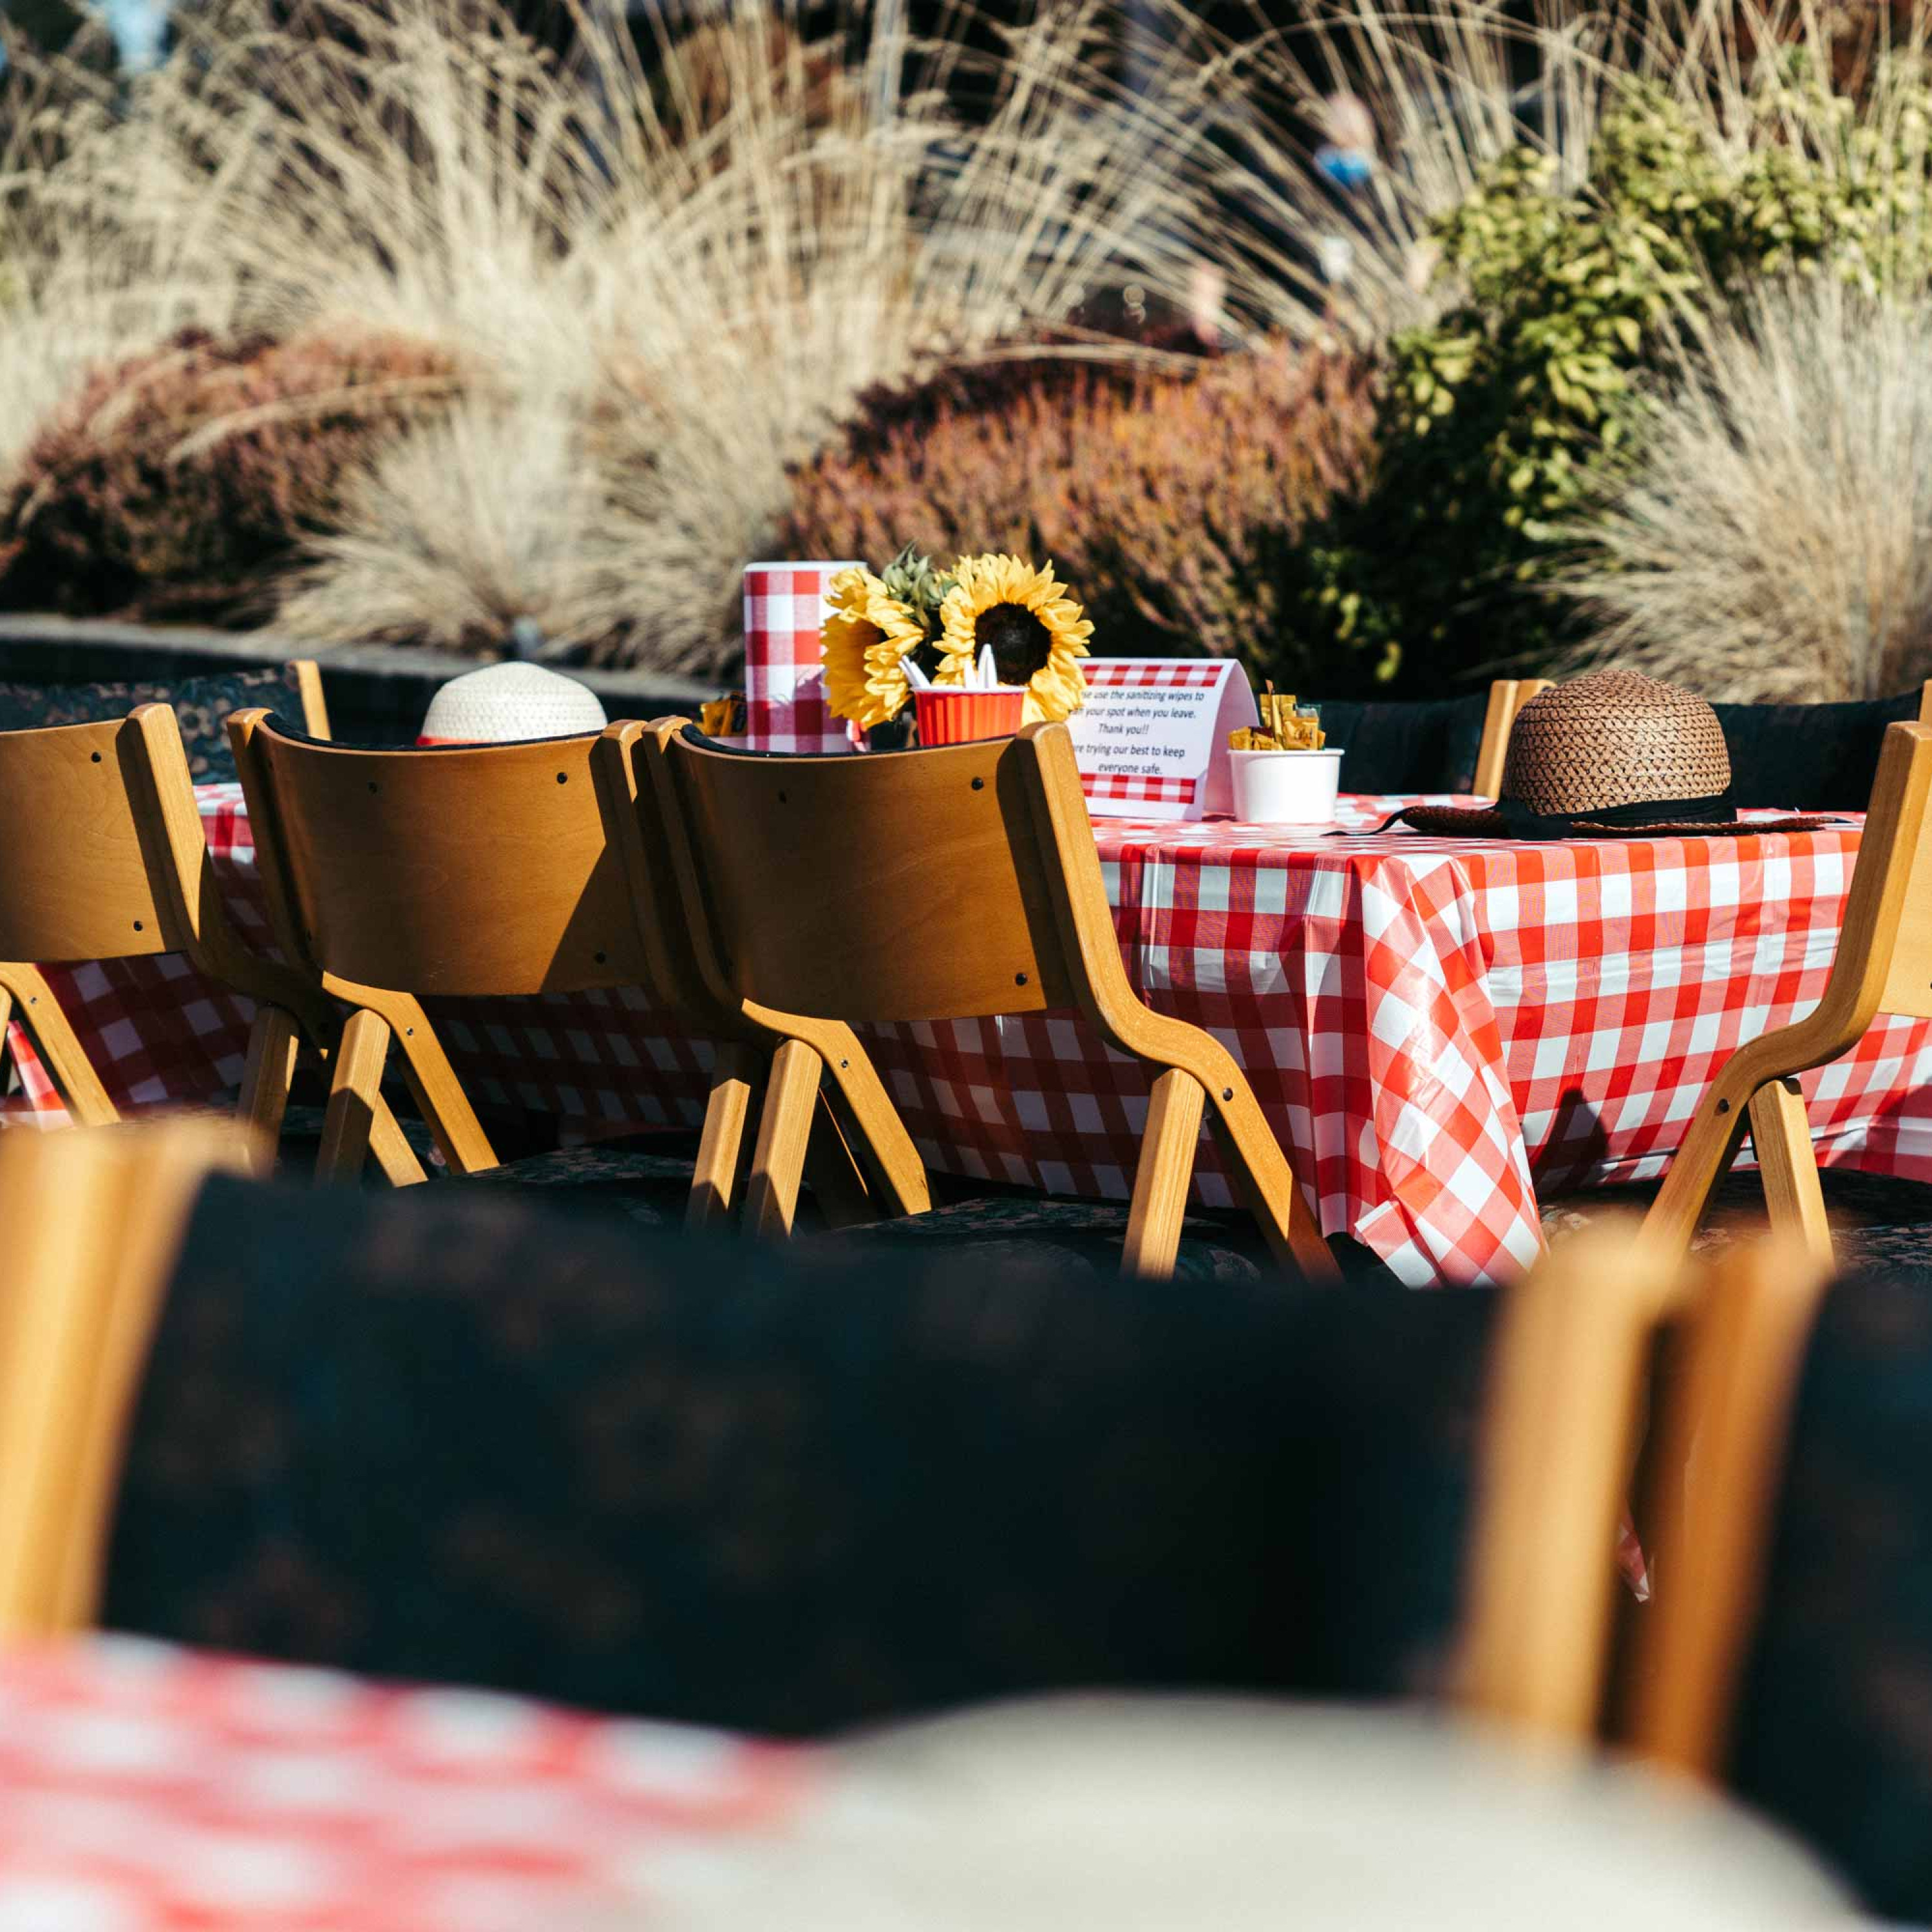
1884, 964
95, 1222
835, 1126
120, 868
504, 796
1723, 1434
380, 1016
1507, 696
1023, 797
1568, 1382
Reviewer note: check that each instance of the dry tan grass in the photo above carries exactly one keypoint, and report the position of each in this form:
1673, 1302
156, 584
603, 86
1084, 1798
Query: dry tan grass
1774, 540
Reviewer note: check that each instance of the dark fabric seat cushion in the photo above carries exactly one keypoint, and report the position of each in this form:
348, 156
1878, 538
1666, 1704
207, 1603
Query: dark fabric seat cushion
440, 1434
1834, 1732
202, 704
1822, 757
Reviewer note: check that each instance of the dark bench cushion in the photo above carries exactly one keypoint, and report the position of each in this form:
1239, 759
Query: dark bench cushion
444, 1435
202, 705
1428, 746
1822, 757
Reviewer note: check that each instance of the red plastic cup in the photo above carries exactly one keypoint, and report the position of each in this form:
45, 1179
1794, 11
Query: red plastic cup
949, 717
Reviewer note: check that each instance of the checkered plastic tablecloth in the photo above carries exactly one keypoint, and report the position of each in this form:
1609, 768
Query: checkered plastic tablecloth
146, 1789
1427, 1022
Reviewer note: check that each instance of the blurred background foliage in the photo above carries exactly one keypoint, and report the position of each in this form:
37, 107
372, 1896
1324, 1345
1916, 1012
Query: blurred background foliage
1340, 337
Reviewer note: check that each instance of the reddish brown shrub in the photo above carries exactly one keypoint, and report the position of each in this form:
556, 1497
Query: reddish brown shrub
182, 483
1170, 502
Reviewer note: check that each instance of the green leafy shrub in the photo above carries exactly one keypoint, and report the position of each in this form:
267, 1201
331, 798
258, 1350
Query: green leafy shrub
1172, 502
183, 483
1502, 423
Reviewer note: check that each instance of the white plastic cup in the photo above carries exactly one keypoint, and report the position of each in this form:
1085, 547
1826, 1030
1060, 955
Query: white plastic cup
1286, 787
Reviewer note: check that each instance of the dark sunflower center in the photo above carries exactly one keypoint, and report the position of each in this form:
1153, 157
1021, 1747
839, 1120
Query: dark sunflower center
1022, 644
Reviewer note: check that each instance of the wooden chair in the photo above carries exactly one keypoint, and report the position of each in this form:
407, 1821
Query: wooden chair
1785, 1655
1722, 1439
107, 861
480, 872
855, 1136
1507, 696
1884, 965
96, 1224
1570, 1376
954, 883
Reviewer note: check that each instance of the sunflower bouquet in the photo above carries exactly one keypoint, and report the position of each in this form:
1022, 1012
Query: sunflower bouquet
989, 622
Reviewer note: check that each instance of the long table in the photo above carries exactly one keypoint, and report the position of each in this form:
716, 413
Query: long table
1435, 1027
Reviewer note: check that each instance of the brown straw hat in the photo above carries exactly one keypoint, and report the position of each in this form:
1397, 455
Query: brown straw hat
1613, 754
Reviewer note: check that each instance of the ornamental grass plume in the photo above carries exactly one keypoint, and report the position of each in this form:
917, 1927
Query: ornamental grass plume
1773, 540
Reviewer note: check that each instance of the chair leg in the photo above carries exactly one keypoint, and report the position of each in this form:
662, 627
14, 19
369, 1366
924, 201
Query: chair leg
1703, 1160
717, 1180
784, 1129
833, 1174
393, 1154
877, 1137
270, 1072
355, 1092
459, 1134
1266, 1186
1782, 1133
1165, 1167
55, 1041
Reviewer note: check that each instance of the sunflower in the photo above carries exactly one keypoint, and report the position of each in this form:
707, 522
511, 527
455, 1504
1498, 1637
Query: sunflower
1036, 631
865, 639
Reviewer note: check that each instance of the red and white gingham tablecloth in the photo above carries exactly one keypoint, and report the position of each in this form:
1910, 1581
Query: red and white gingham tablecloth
146, 1789
1427, 1022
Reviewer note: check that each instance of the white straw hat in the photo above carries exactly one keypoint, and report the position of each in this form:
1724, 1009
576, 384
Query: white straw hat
504, 703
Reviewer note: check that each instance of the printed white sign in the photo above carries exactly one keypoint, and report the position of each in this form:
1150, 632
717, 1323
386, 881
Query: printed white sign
1152, 739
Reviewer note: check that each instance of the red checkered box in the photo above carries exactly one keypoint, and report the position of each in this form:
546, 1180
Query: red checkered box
784, 681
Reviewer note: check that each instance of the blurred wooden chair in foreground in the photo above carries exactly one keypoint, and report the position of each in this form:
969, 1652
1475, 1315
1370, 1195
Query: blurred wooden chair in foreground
104, 859
442, 1434
956, 884
1788, 1653
486, 871
1884, 965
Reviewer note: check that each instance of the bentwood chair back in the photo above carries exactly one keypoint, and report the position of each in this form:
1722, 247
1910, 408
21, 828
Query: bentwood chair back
396, 876
861, 1160
145, 1285
1883, 965
947, 884
106, 859
1507, 696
